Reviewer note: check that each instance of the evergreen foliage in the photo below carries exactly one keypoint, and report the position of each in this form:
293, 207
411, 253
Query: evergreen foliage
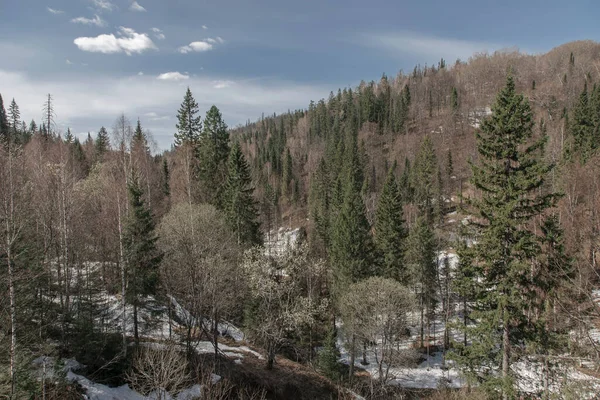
142, 255
390, 230
238, 202
189, 123
509, 176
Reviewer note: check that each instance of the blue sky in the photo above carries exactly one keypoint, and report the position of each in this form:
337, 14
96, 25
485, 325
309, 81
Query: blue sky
99, 58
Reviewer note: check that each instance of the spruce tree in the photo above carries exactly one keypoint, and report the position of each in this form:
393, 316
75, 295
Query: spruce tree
4, 133
142, 255
582, 127
238, 203
319, 202
510, 176
328, 359
213, 153
424, 178
102, 143
420, 259
287, 175
166, 186
189, 123
390, 230
14, 120
351, 250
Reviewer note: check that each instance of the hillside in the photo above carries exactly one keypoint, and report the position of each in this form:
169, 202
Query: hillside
429, 235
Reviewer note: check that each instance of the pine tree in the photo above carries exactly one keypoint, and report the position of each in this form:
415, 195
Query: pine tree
582, 126
509, 175
328, 360
165, 178
102, 143
454, 101
319, 202
14, 120
69, 136
189, 123
287, 175
238, 203
213, 152
142, 255
424, 178
352, 250
390, 230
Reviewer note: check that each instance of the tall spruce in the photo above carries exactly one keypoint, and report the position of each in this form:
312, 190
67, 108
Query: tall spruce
582, 126
213, 153
509, 176
142, 255
390, 230
238, 202
319, 203
424, 178
351, 251
189, 122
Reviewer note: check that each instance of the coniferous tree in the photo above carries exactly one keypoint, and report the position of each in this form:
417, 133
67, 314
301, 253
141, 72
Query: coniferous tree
189, 123
4, 124
319, 202
420, 259
424, 178
69, 136
509, 175
102, 143
582, 127
390, 230
328, 360
238, 202
166, 188
454, 101
142, 255
351, 250
213, 153
287, 175
14, 120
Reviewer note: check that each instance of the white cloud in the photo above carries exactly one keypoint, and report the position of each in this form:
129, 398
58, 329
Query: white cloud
140, 73
196, 46
430, 46
158, 34
89, 21
135, 6
173, 76
68, 62
103, 5
201, 45
86, 104
128, 42
204, 27
53, 11
222, 84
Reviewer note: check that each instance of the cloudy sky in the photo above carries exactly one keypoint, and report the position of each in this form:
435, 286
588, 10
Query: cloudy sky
99, 58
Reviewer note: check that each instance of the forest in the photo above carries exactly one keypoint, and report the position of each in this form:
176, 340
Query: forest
430, 235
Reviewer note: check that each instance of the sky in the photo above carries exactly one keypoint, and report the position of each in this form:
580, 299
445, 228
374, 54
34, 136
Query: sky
101, 58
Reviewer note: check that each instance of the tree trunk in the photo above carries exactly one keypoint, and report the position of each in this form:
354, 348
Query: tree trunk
135, 321
505, 354
352, 349
13, 319
123, 279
